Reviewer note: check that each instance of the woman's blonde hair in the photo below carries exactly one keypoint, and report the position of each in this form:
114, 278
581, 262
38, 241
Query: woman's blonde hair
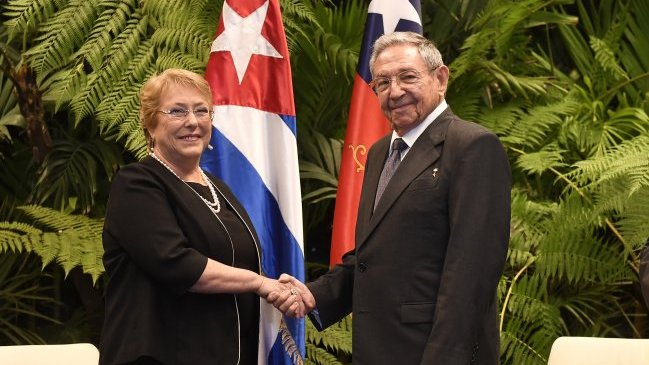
156, 85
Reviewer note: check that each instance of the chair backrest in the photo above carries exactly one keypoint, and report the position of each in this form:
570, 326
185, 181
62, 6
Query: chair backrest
72, 354
599, 351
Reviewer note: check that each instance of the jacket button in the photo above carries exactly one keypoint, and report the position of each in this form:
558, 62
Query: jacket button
362, 267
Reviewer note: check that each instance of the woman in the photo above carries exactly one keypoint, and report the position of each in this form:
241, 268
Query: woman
181, 254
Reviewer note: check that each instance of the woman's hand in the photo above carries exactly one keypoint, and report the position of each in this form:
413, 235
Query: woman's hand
283, 296
296, 302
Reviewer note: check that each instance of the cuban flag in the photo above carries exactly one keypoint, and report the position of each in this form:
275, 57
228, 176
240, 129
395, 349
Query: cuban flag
366, 123
255, 149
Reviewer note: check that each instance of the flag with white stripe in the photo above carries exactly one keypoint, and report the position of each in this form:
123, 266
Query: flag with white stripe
255, 149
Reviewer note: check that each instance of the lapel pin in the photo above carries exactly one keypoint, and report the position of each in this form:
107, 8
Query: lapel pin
435, 172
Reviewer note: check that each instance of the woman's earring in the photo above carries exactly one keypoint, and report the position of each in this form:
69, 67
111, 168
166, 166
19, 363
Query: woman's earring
151, 143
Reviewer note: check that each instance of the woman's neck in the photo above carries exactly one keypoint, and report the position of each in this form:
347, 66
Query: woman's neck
188, 171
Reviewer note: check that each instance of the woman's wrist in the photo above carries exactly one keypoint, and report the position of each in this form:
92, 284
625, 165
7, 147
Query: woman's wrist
261, 280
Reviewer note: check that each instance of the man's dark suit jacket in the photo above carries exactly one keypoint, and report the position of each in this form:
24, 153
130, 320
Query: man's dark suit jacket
422, 278
644, 273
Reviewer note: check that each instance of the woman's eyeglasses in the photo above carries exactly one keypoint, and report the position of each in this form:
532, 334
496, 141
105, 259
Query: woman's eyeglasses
180, 113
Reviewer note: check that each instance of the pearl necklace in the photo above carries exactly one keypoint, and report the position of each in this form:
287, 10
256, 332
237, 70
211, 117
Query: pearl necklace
214, 206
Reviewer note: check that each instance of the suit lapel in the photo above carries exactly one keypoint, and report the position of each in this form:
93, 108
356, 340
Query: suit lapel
420, 156
371, 182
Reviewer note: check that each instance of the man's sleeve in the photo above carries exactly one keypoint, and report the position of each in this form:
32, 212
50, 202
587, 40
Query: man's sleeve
333, 293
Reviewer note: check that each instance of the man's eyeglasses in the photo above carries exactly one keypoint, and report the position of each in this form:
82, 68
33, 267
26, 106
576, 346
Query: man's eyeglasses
403, 79
180, 113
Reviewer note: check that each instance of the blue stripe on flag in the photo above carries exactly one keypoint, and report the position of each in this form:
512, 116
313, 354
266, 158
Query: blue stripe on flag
290, 122
281, 251
260, 205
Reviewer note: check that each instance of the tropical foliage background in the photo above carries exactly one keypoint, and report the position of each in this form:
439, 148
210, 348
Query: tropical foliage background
564, 83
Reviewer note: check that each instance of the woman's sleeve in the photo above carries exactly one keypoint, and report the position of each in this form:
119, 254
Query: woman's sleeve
140, 223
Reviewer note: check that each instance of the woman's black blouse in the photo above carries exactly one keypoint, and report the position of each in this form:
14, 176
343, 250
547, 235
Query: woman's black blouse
157, 237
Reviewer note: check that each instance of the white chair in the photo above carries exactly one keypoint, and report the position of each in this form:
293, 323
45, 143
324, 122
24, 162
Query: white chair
72, 354
599, 351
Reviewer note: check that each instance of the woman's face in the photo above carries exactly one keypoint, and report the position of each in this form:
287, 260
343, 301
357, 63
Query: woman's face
180, 139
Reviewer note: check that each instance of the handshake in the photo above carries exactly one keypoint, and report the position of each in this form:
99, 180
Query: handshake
287, 294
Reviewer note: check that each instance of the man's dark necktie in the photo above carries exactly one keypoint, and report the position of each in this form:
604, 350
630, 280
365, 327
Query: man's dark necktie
398, 146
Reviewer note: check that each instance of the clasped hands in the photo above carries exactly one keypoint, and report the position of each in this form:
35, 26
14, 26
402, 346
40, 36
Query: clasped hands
289, 295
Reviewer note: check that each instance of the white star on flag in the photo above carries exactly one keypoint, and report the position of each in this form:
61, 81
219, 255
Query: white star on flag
393, 11
242, 38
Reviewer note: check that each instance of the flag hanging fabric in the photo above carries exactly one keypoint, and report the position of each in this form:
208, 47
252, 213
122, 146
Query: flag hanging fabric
366, 123
255, 149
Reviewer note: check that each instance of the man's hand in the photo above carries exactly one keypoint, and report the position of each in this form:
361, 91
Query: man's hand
296, 302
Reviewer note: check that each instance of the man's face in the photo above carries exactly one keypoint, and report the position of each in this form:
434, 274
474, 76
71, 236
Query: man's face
408, 101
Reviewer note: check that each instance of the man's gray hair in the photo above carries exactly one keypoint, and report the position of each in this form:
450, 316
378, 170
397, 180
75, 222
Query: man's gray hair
427, 50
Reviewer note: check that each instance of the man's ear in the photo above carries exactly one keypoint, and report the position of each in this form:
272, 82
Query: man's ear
441, 75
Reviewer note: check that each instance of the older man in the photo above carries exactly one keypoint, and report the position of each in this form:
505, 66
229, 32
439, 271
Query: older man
432, 228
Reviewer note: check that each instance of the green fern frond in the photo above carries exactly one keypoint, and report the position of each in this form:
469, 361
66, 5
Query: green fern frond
535, 126
318, 356
115, 64
527, 230
571, 252
197, 6
111, 21
531, 323
550, 156
586, 304
71, 169
135, 141
515, 350
339, 56
11, 233
61, 36
612, 197
65, 85
24, 298
337, 338
181, 30
330, 345
297, 16
160, 9
294, 29
70, 240
60, 222
112, 112
26, 15
633, 224
169, 59
475, 47
123, 99
528, 304
500, 119
176, 34
629, 158
575, 261
605, 56
298, 9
